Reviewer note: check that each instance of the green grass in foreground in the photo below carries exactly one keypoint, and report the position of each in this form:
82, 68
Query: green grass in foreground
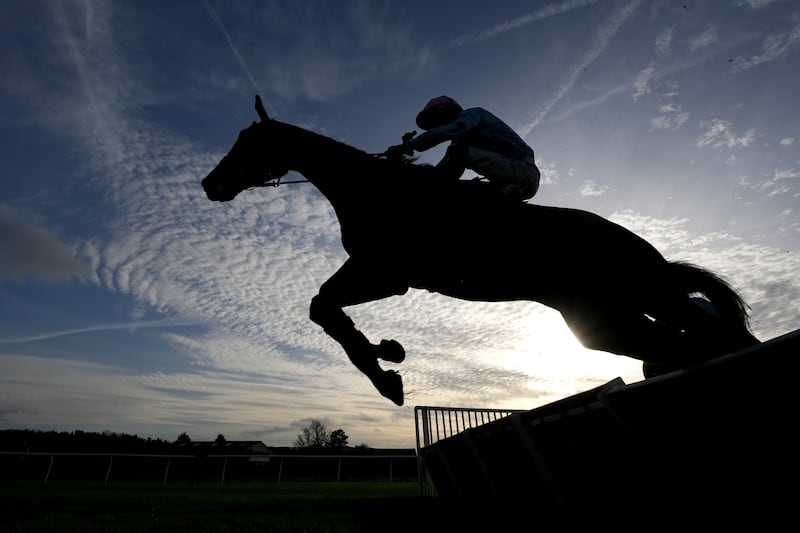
284, 507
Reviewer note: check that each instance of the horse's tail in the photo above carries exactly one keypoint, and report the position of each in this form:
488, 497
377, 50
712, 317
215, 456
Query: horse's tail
728, 304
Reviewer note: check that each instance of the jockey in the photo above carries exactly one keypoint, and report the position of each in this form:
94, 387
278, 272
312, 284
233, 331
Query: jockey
479, 141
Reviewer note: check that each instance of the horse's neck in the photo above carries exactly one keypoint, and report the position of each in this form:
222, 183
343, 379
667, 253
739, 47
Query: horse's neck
318, 158
343, 173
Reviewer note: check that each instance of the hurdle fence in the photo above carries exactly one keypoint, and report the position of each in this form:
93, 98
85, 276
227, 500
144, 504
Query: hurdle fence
437, 423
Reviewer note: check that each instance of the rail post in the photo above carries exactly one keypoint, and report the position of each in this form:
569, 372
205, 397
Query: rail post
166, 472
49, 468
108, 470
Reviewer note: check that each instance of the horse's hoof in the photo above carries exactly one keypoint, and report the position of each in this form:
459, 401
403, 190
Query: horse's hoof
390, 385
391, 351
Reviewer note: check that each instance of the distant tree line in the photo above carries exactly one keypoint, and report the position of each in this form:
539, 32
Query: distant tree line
313, 438
26, 440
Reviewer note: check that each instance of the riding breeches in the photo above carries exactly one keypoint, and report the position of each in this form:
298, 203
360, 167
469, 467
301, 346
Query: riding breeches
518, 178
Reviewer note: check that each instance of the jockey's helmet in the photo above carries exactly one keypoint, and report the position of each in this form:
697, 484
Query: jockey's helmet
437, 112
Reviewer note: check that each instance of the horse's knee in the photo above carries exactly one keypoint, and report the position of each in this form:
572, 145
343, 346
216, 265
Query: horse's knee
319, 311
328, 316
316, 311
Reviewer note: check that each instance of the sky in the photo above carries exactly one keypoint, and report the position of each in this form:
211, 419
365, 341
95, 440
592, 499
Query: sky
131, 303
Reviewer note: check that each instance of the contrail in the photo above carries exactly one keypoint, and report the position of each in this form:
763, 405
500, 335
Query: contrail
546, 12
601, 40
219, 23
99, 327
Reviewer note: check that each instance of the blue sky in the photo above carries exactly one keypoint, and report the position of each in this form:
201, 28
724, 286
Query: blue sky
131, 303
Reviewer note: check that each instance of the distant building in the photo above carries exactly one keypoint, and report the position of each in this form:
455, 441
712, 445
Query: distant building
232, 447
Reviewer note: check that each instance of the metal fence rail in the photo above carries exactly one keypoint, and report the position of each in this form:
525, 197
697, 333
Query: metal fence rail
97, 466
436, 423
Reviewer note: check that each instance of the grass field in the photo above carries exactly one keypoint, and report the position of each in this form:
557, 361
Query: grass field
270, 507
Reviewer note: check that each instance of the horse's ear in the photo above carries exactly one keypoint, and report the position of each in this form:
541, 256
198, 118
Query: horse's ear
262, 113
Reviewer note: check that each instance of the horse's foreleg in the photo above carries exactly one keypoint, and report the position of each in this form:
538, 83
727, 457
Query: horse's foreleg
341, 328
359, 350
355, 283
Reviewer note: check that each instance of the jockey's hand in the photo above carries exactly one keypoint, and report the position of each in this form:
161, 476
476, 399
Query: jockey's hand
398, 151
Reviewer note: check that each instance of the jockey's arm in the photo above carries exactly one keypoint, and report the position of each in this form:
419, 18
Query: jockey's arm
466, 122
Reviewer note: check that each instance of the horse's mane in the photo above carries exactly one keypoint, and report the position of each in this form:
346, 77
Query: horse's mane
324, 145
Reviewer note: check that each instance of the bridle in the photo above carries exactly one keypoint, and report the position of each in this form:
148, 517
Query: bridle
276, 181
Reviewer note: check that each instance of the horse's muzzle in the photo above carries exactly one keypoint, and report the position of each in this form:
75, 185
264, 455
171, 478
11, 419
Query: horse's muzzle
215, 189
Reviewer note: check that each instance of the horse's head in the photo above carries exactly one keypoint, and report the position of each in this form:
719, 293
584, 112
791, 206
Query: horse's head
247, 164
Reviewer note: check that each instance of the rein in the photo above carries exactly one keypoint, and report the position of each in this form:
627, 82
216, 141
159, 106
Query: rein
276, 182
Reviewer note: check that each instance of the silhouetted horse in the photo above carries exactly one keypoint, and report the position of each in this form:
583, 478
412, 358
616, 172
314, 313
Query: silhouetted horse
403, 226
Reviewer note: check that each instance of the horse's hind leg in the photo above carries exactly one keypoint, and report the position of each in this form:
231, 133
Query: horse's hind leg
623, 330
352, 285
705, 333
680, 333
726, 334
